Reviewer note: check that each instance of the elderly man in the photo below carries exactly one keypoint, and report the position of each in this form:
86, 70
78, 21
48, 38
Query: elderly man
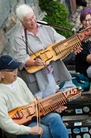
13, 94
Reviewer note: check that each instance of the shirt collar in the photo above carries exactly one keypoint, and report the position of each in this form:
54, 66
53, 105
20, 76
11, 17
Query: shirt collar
23, 33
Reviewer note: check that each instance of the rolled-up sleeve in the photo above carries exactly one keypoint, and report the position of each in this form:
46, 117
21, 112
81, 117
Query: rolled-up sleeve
7, 124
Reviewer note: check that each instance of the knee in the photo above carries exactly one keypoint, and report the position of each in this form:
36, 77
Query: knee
56, 118
89, 72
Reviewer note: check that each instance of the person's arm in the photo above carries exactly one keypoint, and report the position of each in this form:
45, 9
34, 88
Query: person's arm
84, 55
21, 55
7, 124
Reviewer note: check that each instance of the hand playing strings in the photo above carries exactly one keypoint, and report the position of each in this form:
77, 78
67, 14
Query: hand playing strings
78, 50
61, 109
38, 61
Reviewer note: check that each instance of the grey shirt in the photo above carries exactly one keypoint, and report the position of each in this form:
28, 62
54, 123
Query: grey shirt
45, 36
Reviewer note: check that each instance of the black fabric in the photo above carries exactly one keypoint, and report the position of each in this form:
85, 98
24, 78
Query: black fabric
80, 59
81, 3
1, 136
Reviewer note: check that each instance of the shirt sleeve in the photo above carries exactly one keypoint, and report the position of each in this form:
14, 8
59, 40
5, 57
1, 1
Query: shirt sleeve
19, 49
27, 91
84, 53
7, 124
57, 37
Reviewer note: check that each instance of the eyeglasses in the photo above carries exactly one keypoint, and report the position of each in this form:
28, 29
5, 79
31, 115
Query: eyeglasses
88, 20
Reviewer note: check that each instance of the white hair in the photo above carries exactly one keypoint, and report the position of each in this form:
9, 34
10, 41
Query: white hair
22, 11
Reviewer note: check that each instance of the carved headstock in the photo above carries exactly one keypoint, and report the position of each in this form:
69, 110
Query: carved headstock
72, 94
84, 34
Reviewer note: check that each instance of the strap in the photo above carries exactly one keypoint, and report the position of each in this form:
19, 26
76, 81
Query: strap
26, 40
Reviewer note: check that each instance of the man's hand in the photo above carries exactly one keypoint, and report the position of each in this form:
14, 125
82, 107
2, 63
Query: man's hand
35, 62
38, 62
36, 130
78, 50
61, 109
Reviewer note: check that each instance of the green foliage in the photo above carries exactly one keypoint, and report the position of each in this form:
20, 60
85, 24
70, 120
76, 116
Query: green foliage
57, 15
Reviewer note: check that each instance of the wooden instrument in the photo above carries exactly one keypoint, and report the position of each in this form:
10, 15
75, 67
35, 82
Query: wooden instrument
59, 50
25, 114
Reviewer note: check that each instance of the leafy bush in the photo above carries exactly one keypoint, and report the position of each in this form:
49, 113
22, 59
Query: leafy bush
57, 15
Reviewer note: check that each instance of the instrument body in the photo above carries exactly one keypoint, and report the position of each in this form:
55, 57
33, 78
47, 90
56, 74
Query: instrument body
25, 114
59, 50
